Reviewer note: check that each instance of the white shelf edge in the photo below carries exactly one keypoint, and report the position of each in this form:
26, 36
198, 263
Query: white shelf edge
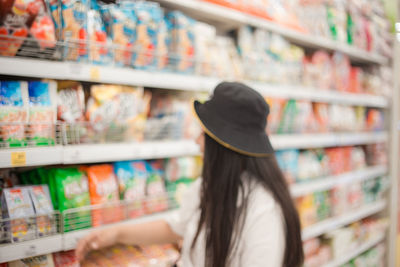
93, 153
70, 239
35, 156
321, 184
353, 254
165, 80
286, 141
226, 15
342, 220
16, 251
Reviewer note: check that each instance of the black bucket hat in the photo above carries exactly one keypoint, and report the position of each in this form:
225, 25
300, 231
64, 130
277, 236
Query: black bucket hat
236, 117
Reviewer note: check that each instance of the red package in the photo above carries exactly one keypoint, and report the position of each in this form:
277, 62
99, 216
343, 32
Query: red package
321, 114
355, 80
336, 160
103, 189
65, 259
346, 154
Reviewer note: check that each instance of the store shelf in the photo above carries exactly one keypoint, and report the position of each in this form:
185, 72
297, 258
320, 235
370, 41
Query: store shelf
345, 219
222, 15
70, 239
31, 156
45, 245
321, 184
93, 153
75, 154
358, 251
301, 141
108, 74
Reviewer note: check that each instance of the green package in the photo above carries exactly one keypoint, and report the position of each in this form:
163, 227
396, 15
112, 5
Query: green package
72, 192
321, 200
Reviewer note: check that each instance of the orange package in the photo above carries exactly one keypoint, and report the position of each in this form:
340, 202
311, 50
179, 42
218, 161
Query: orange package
321, 114
336, 158
103, 189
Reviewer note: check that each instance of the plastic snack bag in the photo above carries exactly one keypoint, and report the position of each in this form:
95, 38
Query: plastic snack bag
37, 261
13, 113
17, 207
341, 71
99, 52
123, 32
276, 106
103, 189
288, 161
46, 222
71, 186
132, 185
65, 259
181, 42
149, 18
74, 29
157, 198
43, 30
70, 102
42, 112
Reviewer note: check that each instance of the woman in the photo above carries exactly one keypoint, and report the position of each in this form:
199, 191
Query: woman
240, 213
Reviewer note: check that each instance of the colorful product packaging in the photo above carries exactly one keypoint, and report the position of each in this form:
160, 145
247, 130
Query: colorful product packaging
288, 161
157, 198
181, 41
13, 113
99, 53
42, 112
74, 29
70, 102
65, 259
103, 190
17, 208
132, 178
71, 186
45, 219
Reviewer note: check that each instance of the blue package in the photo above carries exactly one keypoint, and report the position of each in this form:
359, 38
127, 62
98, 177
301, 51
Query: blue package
181, 41
288, 162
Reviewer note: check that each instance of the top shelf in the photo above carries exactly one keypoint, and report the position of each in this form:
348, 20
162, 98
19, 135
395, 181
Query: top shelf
219, 14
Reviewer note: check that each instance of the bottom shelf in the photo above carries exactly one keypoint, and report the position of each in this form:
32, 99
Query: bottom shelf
68, 241
360, 250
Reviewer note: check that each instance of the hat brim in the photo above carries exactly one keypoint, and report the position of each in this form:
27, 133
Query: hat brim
255, 145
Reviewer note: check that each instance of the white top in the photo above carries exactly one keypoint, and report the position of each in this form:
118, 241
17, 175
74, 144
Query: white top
261, 243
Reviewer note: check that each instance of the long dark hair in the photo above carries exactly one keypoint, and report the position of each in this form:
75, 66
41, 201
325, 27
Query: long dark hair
220, 216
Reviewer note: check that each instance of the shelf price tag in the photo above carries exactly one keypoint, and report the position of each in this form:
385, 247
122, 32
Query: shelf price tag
95, 73
18, 158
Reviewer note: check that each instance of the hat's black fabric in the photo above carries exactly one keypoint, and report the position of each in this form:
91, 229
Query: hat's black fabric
236, 117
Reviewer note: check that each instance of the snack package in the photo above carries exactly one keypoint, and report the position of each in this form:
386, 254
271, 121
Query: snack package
74, 29
157, 198
321, 114
322, 204
65, 259
103, 190
46, 222
54, 8
99, 53
309, 166
375, 120
318, 71
304, 121
287, 121
42, 112
70, 102
181, 41
13, 113
20, 19
132, 178
71, 186
288, 161
336, 160
307, 210
119, 110
149, 18
339, 199
37, 261
17, 207
341, 71
275, 114
354, 196
122, 23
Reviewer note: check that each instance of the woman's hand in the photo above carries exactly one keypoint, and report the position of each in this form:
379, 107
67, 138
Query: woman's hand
97, 239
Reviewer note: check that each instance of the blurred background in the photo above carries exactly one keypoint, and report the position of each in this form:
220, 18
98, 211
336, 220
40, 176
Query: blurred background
96, 123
